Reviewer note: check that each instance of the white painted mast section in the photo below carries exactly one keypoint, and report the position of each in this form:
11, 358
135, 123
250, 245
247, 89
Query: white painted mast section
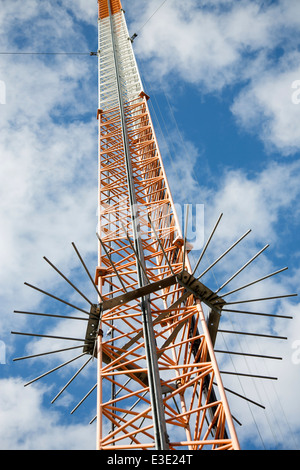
130, 80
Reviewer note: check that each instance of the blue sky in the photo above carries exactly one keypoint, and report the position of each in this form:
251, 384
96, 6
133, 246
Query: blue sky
220, 75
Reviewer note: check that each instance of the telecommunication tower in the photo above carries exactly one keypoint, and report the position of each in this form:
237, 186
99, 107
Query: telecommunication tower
161, 353
158, 381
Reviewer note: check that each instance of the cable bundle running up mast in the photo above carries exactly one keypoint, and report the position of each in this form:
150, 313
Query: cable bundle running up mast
158, 381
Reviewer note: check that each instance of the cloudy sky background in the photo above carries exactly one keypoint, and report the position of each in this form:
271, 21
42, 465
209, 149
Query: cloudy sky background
220, 75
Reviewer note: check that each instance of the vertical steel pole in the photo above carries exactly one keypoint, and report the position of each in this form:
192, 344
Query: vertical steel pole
99, 390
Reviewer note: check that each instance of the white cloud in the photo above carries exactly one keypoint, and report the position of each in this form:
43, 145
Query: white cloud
48, 177
187, 42
27, 425
84, 10
220, 44
266, 106
48, 185
256, 202
42, 213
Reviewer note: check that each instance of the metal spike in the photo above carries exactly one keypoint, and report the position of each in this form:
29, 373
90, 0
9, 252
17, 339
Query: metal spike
87, 271
248, 354
242, 396
68, 281
206, 245
51, 315
47, 336
46, 353
242, 268
225, 253
257, 313
71, 380
259, 300
254, 282
55, 369
83, 399
56, 298
251, 334
248, 375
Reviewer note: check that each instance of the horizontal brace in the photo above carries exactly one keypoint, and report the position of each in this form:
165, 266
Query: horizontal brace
138, 293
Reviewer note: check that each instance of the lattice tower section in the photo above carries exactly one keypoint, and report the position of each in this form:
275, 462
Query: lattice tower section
140, 246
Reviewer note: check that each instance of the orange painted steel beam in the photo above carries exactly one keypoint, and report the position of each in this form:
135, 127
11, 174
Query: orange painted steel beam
131, 171
193, 420
103, 7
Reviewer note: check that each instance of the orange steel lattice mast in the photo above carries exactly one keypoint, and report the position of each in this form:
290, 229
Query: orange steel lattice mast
155, 353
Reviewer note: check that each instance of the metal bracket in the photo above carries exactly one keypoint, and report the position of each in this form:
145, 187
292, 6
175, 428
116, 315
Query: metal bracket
186, 280
92, 328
